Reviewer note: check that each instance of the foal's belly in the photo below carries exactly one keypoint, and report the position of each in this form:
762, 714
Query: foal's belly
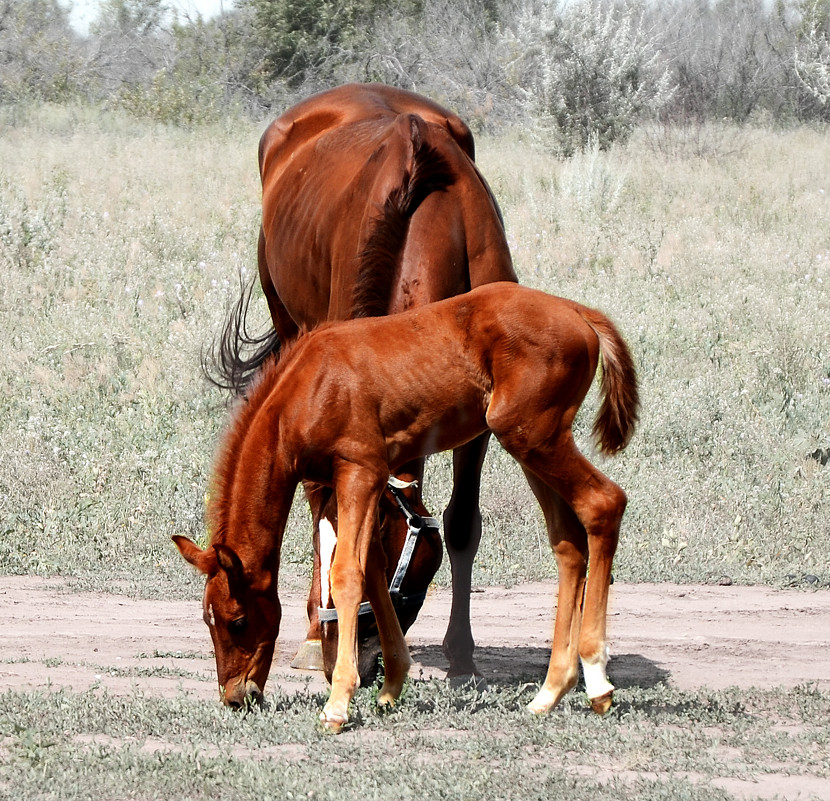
452, 429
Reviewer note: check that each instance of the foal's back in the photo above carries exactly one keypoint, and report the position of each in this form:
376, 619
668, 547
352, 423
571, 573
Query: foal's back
431, 379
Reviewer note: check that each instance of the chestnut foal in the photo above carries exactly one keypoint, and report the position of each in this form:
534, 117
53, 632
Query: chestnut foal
350, 402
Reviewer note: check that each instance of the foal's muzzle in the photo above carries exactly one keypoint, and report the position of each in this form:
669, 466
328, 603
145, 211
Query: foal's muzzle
243, 696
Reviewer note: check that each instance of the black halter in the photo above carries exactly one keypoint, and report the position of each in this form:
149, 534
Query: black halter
416, 524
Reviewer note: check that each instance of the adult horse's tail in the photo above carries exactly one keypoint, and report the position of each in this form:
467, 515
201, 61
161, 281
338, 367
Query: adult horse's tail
231, 360
425, 171
620, 406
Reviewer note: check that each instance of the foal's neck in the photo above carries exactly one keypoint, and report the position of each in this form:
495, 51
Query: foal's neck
255, 481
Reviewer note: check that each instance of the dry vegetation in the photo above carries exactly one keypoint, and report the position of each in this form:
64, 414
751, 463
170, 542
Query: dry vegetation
128, 211
121, 242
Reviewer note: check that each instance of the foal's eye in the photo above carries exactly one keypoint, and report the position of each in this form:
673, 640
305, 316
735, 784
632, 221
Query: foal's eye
238, 626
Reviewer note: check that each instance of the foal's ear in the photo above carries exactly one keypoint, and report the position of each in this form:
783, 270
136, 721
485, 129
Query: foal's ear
203, 561
230, 563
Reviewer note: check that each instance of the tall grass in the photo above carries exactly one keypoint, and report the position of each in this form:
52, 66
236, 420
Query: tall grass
121, 243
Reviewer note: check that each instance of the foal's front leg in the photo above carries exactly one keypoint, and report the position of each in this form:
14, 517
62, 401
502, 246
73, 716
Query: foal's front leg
358, 494
396, 659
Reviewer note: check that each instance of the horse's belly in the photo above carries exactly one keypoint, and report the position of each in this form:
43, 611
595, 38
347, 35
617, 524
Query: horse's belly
455, 428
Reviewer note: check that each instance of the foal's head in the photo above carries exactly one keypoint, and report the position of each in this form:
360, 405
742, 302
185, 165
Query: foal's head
247, 518
243, 617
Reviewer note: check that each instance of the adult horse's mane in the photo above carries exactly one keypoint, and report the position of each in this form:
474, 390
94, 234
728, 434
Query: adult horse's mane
430, 172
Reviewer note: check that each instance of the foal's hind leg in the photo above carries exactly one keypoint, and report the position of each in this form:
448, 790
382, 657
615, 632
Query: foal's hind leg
570, 546
462, 535
597, 505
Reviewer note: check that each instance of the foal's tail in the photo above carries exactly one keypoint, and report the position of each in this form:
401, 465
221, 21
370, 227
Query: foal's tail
620, 406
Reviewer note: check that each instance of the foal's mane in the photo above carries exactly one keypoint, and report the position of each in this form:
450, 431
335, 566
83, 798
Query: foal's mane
430, 172
228, 454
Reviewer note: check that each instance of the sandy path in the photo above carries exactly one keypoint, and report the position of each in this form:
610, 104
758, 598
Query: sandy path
688, 636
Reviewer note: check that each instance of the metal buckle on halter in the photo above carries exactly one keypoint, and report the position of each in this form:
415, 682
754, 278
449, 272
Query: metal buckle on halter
327, 615
416, 524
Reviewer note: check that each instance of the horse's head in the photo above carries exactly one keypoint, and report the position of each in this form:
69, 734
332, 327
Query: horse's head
243, 616
421, 569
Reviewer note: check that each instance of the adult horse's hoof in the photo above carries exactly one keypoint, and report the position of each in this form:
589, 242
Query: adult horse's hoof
469, 681
309, 657
602, 703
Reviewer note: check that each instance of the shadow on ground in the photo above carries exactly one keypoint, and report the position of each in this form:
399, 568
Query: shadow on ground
509, 664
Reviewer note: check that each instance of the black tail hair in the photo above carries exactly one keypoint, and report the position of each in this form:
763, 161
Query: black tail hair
223, 361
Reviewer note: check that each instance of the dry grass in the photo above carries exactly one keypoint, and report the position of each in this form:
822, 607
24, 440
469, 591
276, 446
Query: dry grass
120, 245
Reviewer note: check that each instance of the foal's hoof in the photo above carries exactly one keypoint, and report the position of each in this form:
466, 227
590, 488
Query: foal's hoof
333, 722
602, 703
309, 657
544, 701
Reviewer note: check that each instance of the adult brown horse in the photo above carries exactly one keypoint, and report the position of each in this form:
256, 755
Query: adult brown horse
329, 167
340, 410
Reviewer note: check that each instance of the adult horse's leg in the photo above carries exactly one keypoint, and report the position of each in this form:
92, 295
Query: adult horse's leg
323, 508
462, 534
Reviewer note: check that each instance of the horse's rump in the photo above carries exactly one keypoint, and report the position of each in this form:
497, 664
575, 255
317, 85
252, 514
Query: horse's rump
345, 228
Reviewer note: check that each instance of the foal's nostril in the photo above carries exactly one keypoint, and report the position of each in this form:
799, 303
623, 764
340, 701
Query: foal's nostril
234, 700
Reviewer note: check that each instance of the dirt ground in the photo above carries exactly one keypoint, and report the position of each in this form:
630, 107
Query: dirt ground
688, 636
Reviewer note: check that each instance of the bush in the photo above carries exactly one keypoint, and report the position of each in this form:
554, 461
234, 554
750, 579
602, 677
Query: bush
590, 70
40, 56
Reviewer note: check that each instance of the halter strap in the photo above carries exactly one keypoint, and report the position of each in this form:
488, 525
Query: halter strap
415, 524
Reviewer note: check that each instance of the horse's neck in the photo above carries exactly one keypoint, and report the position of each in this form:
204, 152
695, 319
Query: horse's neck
259, 495
255, 528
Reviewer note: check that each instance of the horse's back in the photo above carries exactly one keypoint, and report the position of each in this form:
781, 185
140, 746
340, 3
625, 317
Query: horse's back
328, 167
344, 105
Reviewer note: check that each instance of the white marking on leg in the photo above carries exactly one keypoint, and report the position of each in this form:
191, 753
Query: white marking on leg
328, 540
211, 618
596, 680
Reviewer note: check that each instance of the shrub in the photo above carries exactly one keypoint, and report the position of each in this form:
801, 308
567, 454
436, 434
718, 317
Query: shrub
590, 70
